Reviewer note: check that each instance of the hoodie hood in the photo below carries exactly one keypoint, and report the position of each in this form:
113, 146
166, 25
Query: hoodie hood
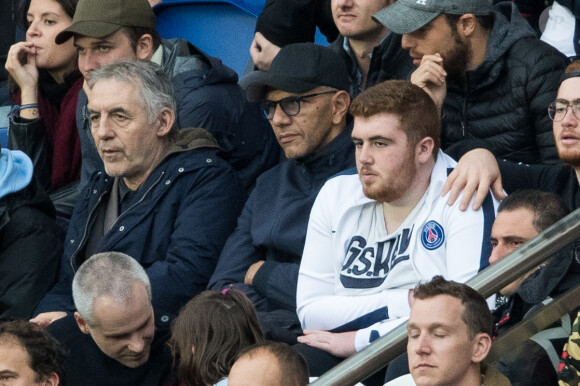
15, 171
181, 58
508, 27
191, 138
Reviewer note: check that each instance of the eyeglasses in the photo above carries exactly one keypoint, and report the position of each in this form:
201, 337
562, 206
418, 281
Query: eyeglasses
558, 109
290, 105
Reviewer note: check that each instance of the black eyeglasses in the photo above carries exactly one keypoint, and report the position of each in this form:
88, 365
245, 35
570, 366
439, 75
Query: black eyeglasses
290, 105
558, 109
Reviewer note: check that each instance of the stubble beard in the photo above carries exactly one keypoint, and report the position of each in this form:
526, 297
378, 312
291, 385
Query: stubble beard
397, 185
455, 61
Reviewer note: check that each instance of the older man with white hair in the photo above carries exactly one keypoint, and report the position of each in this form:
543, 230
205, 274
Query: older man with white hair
115, 337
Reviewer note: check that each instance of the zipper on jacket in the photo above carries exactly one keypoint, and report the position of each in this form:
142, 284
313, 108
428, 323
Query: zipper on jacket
74, 254
141, 199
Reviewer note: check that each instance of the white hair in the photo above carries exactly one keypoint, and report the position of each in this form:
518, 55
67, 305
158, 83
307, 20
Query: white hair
111, 274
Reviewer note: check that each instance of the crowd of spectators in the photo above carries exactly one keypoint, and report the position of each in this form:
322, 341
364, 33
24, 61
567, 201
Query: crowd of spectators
163, 222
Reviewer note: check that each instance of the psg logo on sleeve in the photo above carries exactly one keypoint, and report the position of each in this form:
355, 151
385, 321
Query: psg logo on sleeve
432, 235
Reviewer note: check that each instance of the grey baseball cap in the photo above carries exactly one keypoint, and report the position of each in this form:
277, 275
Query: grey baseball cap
298, 68
406, 16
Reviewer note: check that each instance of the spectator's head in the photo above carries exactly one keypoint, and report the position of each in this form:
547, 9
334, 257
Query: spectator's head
43, 20
447, 27
305, 96
112, 294
108, 30
449, 334
30, 356
396, 134
354, 19
565, 112
269, 364
132, 110
521, 217
209, 333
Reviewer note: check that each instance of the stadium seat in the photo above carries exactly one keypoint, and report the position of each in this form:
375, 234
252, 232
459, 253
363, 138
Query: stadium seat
221, 28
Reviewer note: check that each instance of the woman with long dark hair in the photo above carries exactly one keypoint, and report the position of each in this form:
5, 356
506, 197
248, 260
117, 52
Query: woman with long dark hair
44, 84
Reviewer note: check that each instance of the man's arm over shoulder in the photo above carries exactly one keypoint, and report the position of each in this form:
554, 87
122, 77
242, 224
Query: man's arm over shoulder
468, 236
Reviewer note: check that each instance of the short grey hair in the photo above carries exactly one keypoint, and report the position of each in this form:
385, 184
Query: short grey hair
156, 88
111, 274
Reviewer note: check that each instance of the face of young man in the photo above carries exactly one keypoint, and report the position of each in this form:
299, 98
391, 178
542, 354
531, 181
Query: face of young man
510, 230
384, 159
354, 18
438, 37
439, 348
308, 131
123, 332
14, 366
129, 145
95, 53
567, 131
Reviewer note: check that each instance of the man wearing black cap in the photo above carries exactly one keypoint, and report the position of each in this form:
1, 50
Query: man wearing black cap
305, 96
488, 70
207, 92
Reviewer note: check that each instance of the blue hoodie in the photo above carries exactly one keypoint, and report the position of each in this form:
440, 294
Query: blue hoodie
15, 171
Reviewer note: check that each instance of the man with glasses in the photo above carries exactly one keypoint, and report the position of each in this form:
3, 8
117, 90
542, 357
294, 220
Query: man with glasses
304, 95
562, 180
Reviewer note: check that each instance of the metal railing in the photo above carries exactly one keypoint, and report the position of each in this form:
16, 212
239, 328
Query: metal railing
488, 282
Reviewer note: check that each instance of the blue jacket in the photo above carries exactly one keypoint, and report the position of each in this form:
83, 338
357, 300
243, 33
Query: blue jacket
272, 226
175, 226
208, 96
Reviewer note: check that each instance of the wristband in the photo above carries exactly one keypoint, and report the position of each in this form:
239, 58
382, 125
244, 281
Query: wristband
15, 110
28, 106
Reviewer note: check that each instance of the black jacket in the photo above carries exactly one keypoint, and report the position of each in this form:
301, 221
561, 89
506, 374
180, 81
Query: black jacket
272, 226
88, 365
388, 61
502, 104
30, 248
558, 179
285, 22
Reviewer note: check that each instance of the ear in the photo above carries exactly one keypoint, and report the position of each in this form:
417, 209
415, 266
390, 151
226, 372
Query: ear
144, 49
466, 25
481, 347
51, 379
166, 119
340, 104
424, 150
84, 327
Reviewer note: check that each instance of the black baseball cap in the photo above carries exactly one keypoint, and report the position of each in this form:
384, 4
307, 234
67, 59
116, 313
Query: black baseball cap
298, 68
